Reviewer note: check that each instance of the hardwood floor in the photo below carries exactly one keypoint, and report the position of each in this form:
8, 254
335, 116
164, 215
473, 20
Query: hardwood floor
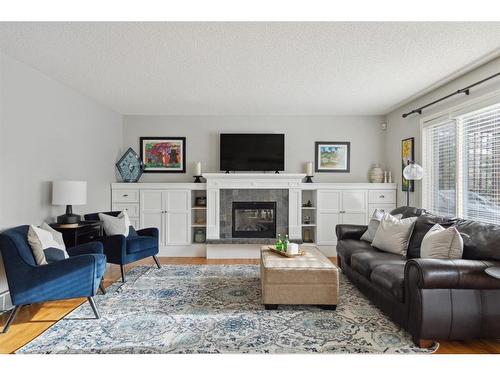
35, 319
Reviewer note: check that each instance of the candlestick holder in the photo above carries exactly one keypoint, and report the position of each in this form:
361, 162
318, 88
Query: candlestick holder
309, 179
197, 179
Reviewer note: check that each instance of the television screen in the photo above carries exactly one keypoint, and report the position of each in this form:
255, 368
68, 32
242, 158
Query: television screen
252, 152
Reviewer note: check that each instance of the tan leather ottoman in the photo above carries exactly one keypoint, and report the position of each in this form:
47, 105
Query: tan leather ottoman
310, 279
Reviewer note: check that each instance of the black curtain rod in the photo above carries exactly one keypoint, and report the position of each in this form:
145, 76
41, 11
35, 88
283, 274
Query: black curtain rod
465, 90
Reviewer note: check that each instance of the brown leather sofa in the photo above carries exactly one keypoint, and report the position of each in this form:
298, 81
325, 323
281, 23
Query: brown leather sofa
433, 299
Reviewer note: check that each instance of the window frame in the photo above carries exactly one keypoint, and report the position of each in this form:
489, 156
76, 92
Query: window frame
449, 114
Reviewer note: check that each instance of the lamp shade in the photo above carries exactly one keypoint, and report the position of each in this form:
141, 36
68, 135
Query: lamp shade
69, 192
413, 171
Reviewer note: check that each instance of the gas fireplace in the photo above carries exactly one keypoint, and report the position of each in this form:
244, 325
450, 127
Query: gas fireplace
254, 220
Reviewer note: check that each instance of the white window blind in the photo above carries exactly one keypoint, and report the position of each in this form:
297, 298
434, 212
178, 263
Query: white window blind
461, 158
440, 155
481, 164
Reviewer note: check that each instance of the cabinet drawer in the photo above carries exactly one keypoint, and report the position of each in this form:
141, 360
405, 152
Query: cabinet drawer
382, 196
132, 208
126, 195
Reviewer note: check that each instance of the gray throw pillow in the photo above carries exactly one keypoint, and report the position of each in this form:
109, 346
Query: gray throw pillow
393, 234
377, 216
441, 243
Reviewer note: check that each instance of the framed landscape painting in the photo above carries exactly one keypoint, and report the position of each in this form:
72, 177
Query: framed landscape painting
163, 154
407, 155
333, 156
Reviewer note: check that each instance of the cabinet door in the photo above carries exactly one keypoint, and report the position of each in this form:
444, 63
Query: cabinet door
354, 201
356, 218
152, 211
178, 217
329, 200
326, 228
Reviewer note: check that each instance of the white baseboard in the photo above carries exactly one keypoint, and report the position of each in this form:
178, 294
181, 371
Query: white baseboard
5, 302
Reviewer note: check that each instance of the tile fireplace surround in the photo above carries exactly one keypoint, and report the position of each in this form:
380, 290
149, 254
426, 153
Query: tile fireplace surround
223, 189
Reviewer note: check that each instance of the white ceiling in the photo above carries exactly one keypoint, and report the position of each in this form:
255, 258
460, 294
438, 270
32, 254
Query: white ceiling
250, 68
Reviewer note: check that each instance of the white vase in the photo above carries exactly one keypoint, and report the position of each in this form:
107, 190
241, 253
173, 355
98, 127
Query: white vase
376, 174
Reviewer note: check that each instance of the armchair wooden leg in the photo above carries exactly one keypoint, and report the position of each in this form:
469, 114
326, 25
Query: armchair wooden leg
101, 288
123, 273
11, 318
156, 261
94, 307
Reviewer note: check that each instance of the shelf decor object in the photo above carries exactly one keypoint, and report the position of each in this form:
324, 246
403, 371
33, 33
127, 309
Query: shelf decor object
130, 166
163, 154
309, 172
412, 172
376, 174
69, 193
197, 174
333, 156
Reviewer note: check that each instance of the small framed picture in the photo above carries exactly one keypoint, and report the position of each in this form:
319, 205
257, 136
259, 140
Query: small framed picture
407, 155
163, 154
333, 157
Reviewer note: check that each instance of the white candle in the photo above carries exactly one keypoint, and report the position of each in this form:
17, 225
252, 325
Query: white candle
309, 169
198, 169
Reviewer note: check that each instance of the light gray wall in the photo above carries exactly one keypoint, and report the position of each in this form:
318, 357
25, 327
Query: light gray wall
202, 137
50, 132
399, 128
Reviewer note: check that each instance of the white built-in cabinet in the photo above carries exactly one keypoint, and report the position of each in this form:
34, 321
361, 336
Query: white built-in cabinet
169, 211
314, 208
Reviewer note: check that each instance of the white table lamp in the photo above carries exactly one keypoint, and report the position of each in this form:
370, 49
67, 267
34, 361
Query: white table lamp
69, 193
412, 172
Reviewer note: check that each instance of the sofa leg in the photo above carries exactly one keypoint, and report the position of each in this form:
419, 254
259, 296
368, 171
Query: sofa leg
11, 318
423, 344
156, 261
123, 273
94, 307
101, 288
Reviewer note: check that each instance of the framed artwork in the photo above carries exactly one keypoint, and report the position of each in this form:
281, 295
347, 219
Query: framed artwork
333, 156
407, 155
163, 154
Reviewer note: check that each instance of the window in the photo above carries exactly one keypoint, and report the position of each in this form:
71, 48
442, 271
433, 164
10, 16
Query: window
461, 158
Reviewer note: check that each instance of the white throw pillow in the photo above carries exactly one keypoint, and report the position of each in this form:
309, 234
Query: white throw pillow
41, 240
115, 225
377, 216
441, 243
393, 234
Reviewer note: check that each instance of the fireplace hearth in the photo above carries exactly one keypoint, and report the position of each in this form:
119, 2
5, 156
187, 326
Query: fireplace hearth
254, 220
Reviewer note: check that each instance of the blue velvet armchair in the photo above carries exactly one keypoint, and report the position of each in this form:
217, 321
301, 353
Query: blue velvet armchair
123, 250
78, 276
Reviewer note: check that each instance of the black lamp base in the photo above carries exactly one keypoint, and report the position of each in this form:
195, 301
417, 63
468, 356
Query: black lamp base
309, 179
197, 179
69, 217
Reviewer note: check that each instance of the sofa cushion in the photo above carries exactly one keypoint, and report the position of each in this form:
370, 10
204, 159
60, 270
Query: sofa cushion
364, 263
422, 226
140, 243
346, 248
390, 277
407, 211
480, 240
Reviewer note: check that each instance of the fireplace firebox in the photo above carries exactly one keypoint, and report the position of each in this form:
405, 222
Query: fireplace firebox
254, 220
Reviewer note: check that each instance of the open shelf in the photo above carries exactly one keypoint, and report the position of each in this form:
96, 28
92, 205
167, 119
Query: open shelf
199, 207
198, 225
308, 208
308, 225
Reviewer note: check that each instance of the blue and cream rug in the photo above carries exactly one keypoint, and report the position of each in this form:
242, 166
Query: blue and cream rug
216, 309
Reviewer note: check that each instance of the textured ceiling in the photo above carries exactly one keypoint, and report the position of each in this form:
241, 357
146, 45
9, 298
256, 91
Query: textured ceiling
250, 68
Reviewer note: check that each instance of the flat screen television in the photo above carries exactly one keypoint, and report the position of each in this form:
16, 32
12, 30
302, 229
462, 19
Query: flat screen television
252, 152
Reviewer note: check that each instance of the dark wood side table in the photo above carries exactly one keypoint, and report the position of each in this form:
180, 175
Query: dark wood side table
85, 231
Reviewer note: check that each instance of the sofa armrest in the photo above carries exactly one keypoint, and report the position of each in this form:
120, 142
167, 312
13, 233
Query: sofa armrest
450, 274
86, 248
350, 231
149, 232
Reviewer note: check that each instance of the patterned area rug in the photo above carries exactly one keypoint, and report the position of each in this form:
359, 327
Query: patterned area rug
216, 309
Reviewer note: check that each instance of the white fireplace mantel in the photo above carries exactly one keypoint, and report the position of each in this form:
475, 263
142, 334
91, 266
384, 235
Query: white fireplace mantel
218, 181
